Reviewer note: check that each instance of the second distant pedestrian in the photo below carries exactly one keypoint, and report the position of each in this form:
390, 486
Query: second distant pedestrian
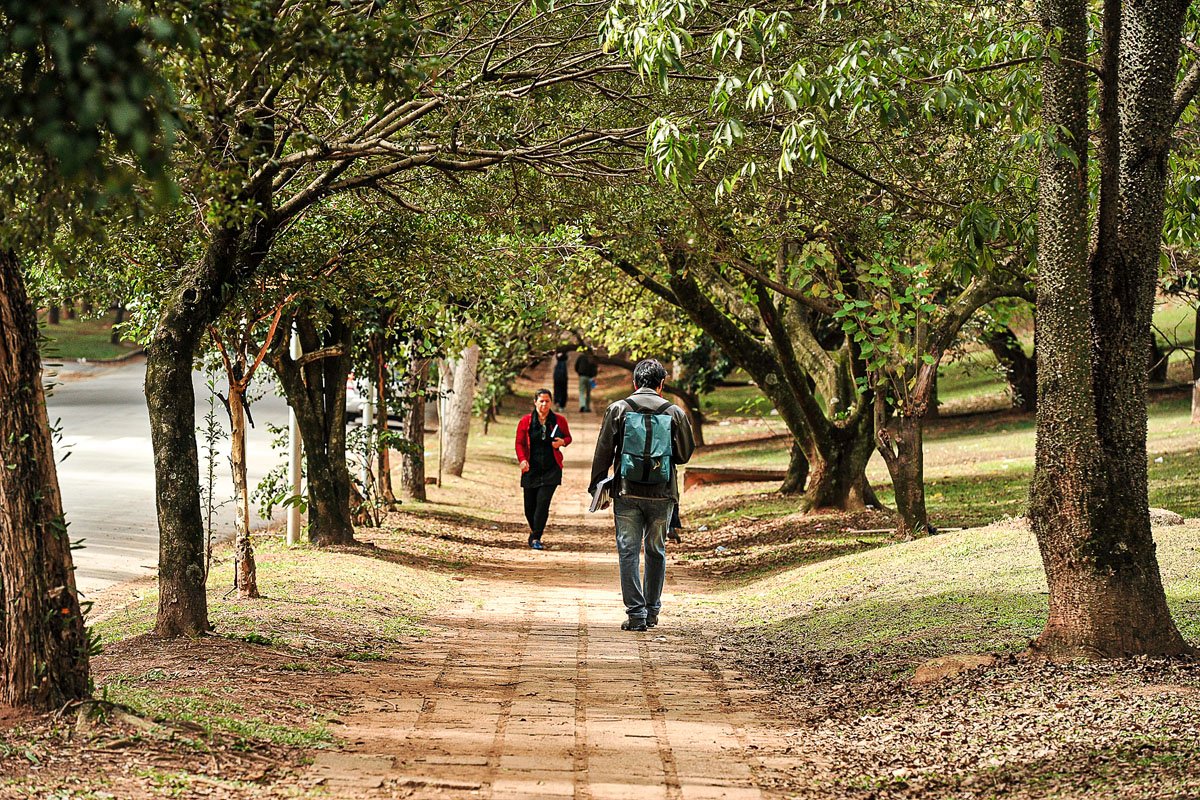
560, 381
541, 436
585, 368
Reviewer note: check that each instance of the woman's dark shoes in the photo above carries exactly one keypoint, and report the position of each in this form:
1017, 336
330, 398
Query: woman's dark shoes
536, 544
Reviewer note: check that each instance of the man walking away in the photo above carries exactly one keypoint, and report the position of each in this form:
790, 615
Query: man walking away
644, 438
586, 369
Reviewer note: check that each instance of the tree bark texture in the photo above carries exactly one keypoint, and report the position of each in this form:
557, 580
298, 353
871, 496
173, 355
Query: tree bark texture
245, 575
458, 409
797, 471
901, 443
835, 453
412, 461
315, 386
1019, 369
1089, 494
43, 644
383, 456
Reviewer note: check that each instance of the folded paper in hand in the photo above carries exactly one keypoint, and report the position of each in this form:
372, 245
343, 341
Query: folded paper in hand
602, 496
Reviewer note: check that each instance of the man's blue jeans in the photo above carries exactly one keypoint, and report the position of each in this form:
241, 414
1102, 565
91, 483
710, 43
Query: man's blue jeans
642, 524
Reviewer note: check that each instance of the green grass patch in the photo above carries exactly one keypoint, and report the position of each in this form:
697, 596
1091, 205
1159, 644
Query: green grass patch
981, 590
82, 338
211, 713
359, 596
978, 468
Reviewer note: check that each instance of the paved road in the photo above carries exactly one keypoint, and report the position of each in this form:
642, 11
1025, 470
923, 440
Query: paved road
108, 477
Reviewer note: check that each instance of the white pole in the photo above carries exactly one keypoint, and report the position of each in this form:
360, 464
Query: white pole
294, 451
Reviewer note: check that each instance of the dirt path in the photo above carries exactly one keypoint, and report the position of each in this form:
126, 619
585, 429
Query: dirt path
528, 688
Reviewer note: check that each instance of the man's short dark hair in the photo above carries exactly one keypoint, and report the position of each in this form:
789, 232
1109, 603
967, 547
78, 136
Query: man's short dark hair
649, 374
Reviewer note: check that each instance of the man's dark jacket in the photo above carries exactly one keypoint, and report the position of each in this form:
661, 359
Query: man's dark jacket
682, 445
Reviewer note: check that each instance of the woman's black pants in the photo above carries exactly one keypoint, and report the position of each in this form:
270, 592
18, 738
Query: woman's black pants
537, 508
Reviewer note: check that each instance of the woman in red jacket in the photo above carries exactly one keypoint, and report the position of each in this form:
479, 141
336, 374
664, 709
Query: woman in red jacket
541, 435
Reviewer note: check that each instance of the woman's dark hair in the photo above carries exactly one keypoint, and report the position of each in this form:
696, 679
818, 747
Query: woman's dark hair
541, 392
649, 374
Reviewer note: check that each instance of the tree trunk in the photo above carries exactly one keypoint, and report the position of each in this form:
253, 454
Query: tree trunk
837, 476
797, 471
1196, 370
43, 644
412, 461
383, 456
1089, 494
934, 402
53, 314
245, 576
170, 398
1019, 369
458, 409
691, 406
901, 443
72, 310
315, 387
1158, 362
115, 337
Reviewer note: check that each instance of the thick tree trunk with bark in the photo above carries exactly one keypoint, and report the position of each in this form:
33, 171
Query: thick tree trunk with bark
412, 461
315, 386
797, 471
245, 574
837, 475
458, 409
1019, 369
43, 644
170, 398
1089, 494
835, 454
901, 443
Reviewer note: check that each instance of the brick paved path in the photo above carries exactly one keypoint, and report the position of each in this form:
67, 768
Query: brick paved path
529, 689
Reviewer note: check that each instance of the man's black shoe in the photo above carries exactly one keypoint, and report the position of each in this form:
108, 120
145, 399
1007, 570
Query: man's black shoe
652, 620
632, 624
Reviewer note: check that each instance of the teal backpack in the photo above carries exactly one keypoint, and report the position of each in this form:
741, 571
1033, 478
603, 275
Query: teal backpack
646, 445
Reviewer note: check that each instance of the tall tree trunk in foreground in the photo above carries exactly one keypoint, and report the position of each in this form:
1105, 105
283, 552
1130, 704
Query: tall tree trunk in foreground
1089, 493
458, 409
43, 644
315, 386
412, 460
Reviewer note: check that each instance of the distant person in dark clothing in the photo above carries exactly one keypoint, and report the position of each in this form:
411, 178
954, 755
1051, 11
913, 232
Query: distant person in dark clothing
560, 381
541, 435
585, 368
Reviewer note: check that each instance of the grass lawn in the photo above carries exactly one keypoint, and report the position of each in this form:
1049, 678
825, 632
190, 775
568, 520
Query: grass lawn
87, 339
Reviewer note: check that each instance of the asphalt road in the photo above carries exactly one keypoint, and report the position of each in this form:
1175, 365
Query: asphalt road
106, 467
